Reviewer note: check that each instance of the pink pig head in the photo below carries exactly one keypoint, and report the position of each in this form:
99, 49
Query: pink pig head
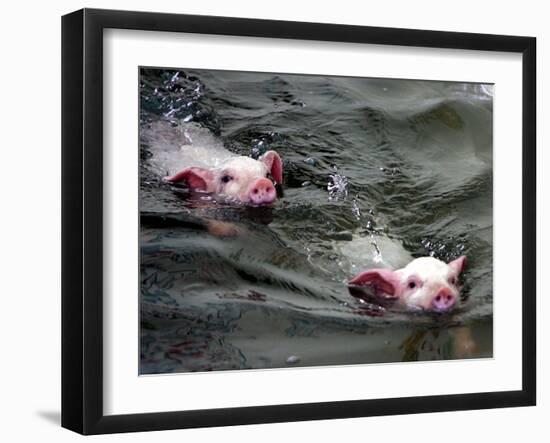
426, 283
240, 178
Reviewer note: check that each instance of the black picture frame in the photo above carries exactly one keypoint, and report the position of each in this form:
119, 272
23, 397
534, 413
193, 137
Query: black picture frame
82, 218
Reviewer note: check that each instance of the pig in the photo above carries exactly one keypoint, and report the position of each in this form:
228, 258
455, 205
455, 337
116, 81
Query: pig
188, 153
239, 178
425, 283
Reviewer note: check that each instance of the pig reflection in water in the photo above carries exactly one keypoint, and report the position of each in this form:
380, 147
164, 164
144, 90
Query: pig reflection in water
435, 340
191, 155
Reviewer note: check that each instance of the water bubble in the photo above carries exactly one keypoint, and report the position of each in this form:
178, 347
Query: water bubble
356, 211
487, 89
170, 113
258, 147
187, 138
337, 187
377, 254
310, 161
306, 183
293, 359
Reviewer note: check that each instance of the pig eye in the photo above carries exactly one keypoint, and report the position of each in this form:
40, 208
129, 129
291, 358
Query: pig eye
412, 285
452, 280
226, 178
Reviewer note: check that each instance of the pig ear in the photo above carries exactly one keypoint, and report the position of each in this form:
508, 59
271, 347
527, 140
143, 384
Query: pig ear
380, 280
198, 179
274, 165
458, 265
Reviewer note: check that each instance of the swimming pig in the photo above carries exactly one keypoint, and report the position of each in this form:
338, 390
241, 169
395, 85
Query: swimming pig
240, 178
426, 283
191, 154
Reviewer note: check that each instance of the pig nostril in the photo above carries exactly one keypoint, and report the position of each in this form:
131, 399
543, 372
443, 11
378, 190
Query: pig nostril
262, 191
443, 301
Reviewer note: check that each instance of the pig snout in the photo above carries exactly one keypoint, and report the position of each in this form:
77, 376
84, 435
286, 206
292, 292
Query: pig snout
262, 192
444, 300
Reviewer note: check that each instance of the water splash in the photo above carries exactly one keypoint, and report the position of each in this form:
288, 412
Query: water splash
258, 147
337, 187
355, 210
443, 250
175, 77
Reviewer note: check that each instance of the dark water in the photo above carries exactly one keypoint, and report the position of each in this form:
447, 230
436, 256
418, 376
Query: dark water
408, 161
